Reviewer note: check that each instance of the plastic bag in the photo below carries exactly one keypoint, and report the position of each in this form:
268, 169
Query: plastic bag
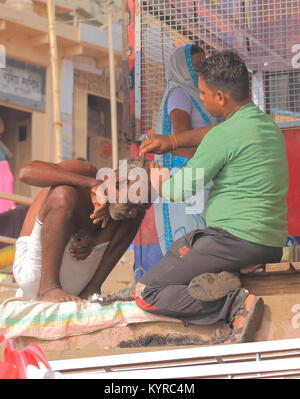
28, 363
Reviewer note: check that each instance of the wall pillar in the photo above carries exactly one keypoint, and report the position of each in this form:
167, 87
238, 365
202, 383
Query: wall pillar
67, 84
80, 123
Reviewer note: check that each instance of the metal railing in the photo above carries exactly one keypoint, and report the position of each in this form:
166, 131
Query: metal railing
259, 360
265, 33
19, 199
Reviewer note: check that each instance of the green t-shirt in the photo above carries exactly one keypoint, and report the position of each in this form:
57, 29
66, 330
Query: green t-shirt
245, 157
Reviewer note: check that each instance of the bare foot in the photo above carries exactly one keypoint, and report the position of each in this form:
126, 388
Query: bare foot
58, 295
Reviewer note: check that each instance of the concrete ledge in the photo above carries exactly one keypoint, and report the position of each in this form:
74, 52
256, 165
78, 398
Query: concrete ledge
106, 341
281, 320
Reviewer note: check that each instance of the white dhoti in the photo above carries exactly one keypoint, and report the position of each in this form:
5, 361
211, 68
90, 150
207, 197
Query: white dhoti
74, 274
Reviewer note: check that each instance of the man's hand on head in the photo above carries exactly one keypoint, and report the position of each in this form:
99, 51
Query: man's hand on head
105, 194
110, 200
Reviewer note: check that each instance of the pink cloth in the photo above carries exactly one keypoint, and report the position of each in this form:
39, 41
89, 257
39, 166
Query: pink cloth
6, 186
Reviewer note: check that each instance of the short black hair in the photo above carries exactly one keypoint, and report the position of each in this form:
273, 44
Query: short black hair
226, 71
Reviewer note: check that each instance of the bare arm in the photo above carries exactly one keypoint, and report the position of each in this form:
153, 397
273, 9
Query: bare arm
124, 233
45, 174
159, 144
181, 122
192, 138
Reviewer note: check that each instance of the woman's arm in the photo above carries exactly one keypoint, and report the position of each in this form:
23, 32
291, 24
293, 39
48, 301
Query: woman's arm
181, 122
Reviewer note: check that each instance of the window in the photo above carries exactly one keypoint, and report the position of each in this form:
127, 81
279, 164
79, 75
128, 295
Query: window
23, 133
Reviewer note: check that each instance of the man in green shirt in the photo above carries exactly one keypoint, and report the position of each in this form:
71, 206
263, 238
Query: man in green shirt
245, 157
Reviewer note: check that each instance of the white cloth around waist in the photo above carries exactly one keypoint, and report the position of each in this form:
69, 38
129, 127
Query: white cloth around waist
74, 274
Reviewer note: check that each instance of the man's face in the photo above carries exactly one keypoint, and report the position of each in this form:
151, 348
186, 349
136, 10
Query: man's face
129, 210
210, 99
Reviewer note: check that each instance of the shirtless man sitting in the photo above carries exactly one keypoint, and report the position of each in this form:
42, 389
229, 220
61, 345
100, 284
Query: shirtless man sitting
63, 252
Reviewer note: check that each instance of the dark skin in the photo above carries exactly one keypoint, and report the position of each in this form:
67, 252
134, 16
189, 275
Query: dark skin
66, 206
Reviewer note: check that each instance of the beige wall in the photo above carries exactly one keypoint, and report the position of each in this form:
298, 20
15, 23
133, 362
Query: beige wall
43, 139
40, 142
79, 123
95, 83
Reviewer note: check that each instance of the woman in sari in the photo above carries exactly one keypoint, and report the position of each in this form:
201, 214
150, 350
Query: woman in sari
181, 109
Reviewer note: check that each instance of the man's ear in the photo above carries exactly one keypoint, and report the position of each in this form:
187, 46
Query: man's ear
221, 98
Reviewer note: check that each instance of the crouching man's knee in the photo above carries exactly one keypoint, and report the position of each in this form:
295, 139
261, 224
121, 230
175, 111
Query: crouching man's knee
63, 199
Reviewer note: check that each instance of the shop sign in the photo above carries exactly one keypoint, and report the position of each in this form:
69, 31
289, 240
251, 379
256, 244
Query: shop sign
23, 84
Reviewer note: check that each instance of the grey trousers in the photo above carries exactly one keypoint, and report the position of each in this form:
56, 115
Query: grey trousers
211, 250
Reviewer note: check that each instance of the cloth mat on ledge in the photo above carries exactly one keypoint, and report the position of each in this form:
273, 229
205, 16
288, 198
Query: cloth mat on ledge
50, 321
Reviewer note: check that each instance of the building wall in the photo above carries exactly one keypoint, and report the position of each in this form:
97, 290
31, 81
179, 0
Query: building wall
90, 80
89, 77
40, 143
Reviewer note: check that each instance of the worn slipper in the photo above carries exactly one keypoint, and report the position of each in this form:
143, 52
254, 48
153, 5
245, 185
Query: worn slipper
208, 287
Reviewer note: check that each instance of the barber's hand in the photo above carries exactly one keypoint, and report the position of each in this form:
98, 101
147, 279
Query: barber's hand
155, 144
81, 246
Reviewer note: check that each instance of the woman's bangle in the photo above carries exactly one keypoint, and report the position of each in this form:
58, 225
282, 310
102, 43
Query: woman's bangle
174, 141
